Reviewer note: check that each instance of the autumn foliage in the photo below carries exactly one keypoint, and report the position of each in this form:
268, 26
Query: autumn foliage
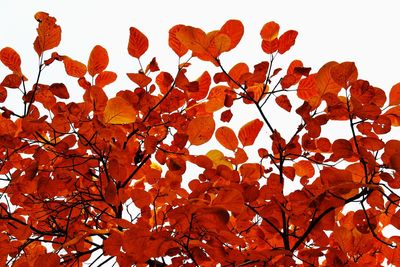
103, 180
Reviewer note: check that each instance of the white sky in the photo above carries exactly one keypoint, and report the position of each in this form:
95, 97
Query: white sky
366, 32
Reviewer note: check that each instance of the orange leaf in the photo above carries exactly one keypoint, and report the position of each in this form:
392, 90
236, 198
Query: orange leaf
193, 38
138, 43
200, 130
344, 73
236, 72
304, 168
270, 31
249, 132
98, 60
283, 102
74, 68
203, 82
234, 30
218, 43
49, 33
286, 41
105, 78
394, 96
11, 59
325, 83
227, 137
174, 43
119, 111
251, 172
3, 94
164, 81
307, 88
139, 78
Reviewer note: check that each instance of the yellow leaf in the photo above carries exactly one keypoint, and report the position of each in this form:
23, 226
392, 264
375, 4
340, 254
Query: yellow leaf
119, 111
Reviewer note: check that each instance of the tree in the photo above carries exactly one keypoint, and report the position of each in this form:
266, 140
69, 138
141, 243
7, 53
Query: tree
102, 179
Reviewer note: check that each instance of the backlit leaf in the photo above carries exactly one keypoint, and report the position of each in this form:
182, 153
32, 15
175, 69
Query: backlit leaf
234, 30
193, 38
270, 31
139, 78
105, 78
174, 43
307, 88
249, 132
286, 41
325, 83
49, 33
59, 90
227, 137
394, 95
200, 130
304, 168
119, 111
138, 43
74, 68
10, 59
283, 102
98, 60
344, 73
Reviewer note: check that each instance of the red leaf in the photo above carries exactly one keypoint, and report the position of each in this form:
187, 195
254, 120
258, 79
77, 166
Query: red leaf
138, 43
342, 148
286, 41
226, 116
98, 60
60, 90
11, 81
394, 95
283, 102
344, 73
269, 47
249, 132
